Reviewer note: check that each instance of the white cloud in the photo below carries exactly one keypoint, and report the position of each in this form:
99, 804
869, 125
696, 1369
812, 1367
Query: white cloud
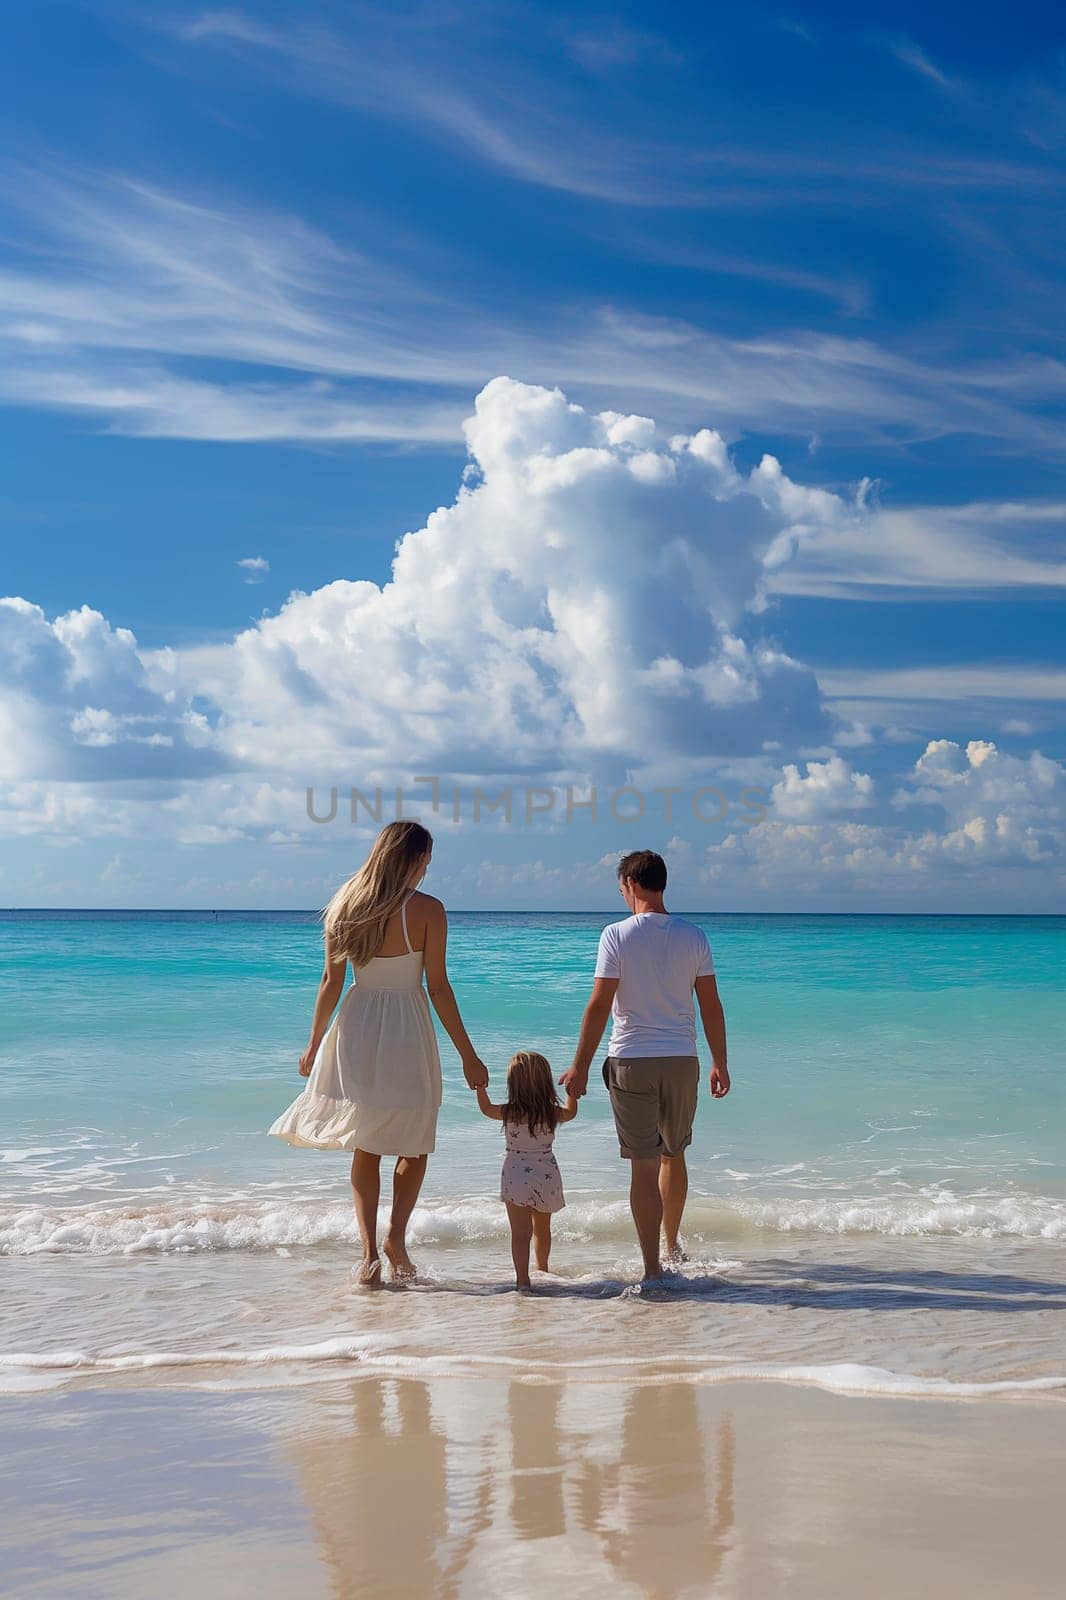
953, 550
974, 681
997, 827
828, 787
480, 94
115, 289
586, 609
150, 403
997, 805
76, 703
255, 568
587, 598
913, 56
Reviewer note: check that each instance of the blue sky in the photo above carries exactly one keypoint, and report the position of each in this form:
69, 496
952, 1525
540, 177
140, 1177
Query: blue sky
256, 266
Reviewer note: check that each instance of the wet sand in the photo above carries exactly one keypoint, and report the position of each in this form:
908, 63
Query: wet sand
385, 1486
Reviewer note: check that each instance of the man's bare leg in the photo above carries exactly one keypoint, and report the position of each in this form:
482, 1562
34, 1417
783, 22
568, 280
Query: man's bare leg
647, 1207
673, 1188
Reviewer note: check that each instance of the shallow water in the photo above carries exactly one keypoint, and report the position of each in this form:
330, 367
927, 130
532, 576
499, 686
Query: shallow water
880, 1204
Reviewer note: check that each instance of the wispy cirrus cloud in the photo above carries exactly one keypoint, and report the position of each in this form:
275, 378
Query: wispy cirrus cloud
488, 100
398, 72
913, 56
974, 681
1019, 699
113, 289
952, 551
846, 290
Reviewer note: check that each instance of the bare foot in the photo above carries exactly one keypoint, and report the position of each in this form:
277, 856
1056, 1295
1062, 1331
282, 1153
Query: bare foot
523, 1288
368, 1274
676, 1254
403, 1268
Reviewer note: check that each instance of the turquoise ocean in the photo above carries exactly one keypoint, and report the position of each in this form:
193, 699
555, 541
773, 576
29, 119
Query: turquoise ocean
879, 1205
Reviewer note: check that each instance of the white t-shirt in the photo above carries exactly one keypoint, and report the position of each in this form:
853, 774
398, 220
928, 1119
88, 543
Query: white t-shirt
656, 958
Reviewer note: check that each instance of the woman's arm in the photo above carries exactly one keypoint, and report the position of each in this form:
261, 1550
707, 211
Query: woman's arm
443, 996
329, 992
569, 1111
495, 1112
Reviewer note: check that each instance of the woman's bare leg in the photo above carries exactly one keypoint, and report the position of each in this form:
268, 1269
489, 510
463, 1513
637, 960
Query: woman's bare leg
521, 1220
406, 1183
366, 1191
542, 1238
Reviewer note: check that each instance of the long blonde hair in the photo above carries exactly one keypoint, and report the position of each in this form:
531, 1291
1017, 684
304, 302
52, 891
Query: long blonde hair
531, 1095
357, 916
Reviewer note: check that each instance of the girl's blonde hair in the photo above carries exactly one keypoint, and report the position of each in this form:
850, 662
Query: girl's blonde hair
356, 917
531, 1095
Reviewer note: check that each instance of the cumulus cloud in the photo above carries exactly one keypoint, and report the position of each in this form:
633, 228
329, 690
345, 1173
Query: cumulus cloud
76, 703
590, 597
992, 811
588, 608
828, 787
996, 805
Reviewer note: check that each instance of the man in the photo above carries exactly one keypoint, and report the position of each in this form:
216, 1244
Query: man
647, 970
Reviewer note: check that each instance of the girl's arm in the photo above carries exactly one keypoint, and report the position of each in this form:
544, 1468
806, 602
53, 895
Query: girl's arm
495, 1112
443, 996
569, 1111
330, 986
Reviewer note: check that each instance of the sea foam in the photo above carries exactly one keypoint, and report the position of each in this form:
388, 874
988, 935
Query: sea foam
23, 1370
197, 1224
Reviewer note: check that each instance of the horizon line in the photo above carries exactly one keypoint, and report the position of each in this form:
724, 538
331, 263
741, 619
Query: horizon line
513, 911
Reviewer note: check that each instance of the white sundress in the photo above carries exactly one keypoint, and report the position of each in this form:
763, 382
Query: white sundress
531, 1175
376, 1083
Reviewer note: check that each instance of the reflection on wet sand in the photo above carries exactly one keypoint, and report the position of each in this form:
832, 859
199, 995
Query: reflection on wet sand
538, 1508
421, 1491
664, 1511
462, 1489
377, 1493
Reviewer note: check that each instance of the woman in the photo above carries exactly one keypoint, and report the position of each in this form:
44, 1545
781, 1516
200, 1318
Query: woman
374, 1078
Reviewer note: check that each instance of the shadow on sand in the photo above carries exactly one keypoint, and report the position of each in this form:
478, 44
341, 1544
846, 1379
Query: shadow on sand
800, 1285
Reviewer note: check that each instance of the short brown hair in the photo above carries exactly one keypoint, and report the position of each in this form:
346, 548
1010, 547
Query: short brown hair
644, 868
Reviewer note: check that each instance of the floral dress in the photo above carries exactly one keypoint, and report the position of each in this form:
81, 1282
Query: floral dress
531, 1174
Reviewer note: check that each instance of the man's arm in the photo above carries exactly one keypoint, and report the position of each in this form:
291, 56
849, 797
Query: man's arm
576, 1081
713, 1018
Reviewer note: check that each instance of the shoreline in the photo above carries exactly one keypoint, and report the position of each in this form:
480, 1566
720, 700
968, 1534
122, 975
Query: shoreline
355, 1360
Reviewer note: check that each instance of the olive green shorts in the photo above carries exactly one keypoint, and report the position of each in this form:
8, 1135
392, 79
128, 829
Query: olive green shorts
654, 1103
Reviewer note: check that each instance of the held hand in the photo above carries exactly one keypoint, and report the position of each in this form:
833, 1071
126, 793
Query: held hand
307, 1060
476, 1073
575, 1082
719, 1082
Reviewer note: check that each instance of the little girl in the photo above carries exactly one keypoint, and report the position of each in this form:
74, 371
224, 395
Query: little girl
530, 1186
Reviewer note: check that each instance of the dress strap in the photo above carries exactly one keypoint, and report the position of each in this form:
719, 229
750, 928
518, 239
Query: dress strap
406, 936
